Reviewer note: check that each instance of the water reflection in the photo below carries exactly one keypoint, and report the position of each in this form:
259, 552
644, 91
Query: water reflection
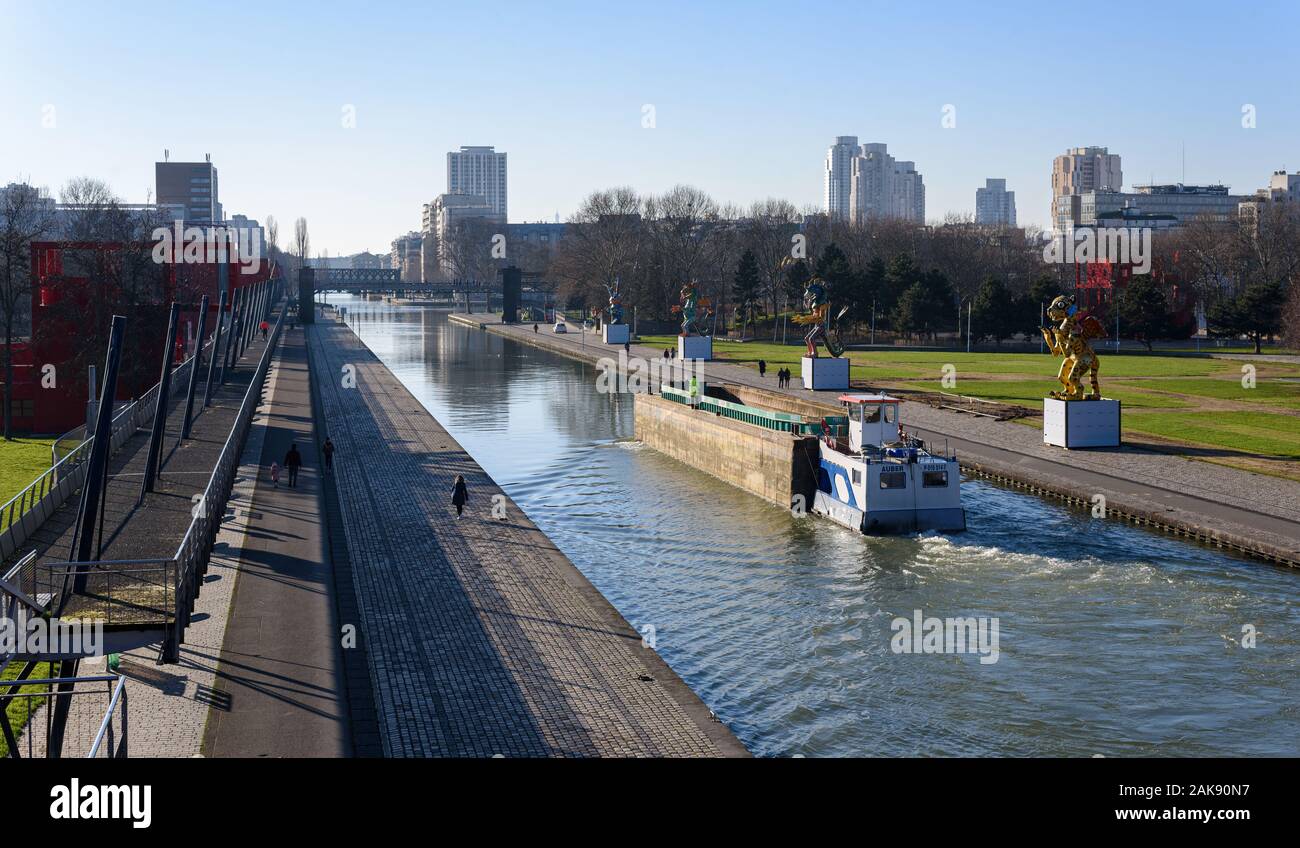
1113, 640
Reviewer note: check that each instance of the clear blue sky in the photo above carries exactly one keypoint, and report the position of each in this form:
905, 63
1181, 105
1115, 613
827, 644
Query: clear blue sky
747, 98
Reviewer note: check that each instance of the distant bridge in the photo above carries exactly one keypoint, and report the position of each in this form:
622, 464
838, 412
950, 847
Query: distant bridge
356, 280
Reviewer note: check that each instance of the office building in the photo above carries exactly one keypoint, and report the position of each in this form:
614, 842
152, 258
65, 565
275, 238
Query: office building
191, 185
994, 205
479, 171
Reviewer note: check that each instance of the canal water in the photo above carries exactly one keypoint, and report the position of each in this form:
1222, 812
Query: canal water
1111, 640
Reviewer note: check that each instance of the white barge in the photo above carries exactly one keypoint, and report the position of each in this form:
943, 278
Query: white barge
884, 480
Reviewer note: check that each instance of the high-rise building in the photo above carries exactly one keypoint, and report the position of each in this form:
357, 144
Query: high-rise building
883, 187
445, 213
192, 185
479, 171
1079, 170
838, 181
994, 205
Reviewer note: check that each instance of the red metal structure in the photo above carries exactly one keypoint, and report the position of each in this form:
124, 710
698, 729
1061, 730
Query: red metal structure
52, 401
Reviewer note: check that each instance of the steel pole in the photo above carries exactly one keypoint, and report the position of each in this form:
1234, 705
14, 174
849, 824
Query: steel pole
97, 465
194, 367
216, 351
230, 339
160, 411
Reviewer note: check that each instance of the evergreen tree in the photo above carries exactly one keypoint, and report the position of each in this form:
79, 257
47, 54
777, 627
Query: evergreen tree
746, 287
992, 315
1255, 312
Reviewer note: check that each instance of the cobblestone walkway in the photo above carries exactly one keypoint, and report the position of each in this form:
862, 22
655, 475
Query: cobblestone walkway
483, 638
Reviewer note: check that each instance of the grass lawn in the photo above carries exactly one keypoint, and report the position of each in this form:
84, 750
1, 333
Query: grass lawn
21, 462
1030, 392
1264, 433
18, 707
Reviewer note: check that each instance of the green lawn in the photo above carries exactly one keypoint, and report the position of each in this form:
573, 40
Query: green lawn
21, 462
1030, 392
1273, 391
1264, 433
17, 709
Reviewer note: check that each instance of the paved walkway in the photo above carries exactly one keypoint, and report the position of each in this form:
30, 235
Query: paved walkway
279, 673
1238, 506
483, 639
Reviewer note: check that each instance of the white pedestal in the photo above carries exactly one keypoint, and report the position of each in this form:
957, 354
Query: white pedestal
695, 347
1081, 423
825, 373
617, 334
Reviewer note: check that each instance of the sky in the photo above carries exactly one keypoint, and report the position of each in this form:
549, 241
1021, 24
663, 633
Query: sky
746, 98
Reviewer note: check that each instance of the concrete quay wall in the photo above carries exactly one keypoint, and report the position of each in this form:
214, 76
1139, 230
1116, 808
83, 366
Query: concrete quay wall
773, 465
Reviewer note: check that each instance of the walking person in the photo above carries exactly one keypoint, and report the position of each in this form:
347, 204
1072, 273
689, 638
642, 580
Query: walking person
275, 473
627, 348
293, 461
328, 450
459, 496
762, 368
264, 327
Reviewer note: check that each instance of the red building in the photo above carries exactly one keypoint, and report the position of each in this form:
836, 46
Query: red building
77, 286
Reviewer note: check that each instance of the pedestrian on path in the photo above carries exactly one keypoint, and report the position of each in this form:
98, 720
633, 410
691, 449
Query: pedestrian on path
627, 348
293, 461
459, 496
275, 473
264, 327
328, 451
762, 368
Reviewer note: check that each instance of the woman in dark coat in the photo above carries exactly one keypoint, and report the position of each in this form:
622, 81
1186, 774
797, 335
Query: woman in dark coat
459, 495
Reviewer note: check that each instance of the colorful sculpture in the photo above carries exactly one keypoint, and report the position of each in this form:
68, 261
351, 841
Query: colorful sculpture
615, 303
821, 327
695, 311
1067, 336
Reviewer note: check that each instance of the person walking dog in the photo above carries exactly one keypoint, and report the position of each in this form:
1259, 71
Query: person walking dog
293, 461
459, 495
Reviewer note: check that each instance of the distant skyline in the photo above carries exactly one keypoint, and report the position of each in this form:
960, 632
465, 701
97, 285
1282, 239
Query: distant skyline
746, 99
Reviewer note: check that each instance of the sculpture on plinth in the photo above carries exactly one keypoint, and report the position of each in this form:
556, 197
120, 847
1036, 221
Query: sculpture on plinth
817, 318
695, 311
615, 303
1071, 338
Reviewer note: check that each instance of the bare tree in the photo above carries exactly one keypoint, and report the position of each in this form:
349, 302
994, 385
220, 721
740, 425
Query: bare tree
107, 269
26, 215
301, 248
272, 235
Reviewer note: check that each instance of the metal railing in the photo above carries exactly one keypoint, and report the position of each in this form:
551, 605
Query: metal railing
195, 550
24, 513
127, 591
108, 725
783, 422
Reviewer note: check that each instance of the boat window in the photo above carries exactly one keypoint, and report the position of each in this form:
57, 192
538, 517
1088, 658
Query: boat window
857, 476
891, 413
935, 479
870, 414
855, 412
893, 479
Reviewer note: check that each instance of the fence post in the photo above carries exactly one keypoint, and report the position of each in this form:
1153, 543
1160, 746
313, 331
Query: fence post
160, 411
194, 367
216, 349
